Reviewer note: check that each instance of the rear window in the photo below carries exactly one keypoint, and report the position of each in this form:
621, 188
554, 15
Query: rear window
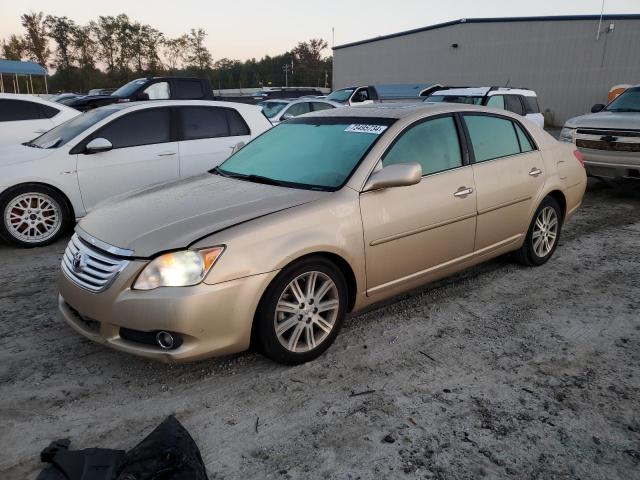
513, 104
531, 104
237, 126
48, 111
17, 110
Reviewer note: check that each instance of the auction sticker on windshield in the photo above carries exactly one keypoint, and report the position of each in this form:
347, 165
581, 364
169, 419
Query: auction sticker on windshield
357, 128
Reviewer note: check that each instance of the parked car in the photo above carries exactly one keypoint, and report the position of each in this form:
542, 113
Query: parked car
151, 88
23, 117
101, 91
609, 138
324, 214
284, 92
517, 100
63, 96
47, 183
280, 110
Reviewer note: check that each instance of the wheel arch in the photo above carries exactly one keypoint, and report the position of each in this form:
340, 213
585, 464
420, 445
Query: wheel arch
64, 196
559, 197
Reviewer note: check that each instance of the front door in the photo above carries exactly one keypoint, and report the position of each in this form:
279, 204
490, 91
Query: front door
142, 155
509, 174
410, 232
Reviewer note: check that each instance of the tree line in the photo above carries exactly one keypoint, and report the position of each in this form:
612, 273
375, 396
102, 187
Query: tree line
112, 50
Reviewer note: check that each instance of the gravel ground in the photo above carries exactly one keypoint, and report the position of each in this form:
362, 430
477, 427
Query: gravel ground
500, 372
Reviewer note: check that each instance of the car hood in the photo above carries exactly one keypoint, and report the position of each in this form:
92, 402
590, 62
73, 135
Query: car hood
613, 120
17, 153
174, 215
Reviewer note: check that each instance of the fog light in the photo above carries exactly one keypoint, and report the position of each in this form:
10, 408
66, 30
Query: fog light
165, 340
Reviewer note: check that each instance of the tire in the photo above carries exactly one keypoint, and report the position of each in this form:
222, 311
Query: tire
33, 215
546, 226
298, 314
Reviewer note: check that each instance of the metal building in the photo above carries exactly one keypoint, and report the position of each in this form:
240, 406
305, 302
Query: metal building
570, 61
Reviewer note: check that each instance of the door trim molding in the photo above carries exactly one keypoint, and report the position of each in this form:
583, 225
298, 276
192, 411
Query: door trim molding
415, 231
504, 205
413, 276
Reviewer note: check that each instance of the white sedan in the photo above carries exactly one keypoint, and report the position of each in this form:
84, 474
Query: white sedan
49, 182
23, 117
280, 110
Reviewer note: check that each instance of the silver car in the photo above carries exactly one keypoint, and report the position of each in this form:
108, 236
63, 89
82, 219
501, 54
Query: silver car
280, 110
609, 137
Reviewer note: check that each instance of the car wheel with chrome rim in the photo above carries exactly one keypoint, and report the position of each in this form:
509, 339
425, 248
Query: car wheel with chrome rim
33, 215
301, 311
543, 234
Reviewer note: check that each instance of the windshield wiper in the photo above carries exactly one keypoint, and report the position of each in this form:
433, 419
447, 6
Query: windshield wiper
31, 144
265, 180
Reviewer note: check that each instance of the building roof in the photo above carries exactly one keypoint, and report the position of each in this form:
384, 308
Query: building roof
561, 18
21, 68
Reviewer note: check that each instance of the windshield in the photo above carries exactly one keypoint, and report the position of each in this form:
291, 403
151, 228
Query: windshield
128, 89
271, 109
628, 101
312, 153
63, 133
341, 96
454, 99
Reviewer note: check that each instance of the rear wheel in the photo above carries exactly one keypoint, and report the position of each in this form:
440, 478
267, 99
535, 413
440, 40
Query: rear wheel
543, 234
33, 215
302, 311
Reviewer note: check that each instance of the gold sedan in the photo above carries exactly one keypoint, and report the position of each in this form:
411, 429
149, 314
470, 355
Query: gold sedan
322, 215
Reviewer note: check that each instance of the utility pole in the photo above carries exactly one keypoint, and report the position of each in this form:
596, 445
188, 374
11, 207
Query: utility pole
286, 68
600, 22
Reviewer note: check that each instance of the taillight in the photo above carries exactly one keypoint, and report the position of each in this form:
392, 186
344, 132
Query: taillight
579, 157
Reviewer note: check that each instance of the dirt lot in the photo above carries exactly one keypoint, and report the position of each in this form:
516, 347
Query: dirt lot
500, 372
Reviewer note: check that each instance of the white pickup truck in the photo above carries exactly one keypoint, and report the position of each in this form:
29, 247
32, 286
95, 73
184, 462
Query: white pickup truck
365, 94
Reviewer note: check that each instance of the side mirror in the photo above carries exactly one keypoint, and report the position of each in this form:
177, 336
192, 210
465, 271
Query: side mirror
598, 107
396, 175
237, 147
287, 116
98, 145
142, 96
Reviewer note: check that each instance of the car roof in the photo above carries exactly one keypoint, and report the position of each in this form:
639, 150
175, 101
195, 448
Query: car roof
34, 98
395, 110
482, 91
176, 103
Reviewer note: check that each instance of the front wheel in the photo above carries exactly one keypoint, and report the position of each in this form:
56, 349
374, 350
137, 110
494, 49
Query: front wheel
33, 216
543, 234
302, 311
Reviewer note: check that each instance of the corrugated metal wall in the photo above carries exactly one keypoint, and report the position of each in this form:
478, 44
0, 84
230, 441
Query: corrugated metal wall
561, 60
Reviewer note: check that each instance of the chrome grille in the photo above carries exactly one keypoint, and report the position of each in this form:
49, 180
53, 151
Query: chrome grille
611, 140
90, 268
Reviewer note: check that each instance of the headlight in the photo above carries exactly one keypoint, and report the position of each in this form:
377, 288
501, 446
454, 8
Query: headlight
178, 269
566, 134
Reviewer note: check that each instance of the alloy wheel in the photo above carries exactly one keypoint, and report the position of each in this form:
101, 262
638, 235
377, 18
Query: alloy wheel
545, 231
32, 217
306, 312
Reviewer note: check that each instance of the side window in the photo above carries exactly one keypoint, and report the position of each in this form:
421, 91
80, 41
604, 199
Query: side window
514, 104
525, 143
47, 111
299, 108
16, 110
317, 106
202, 122
496, 101
360, 96
433, 144
188, 89
531, 104
144, 127
237, 126
158, 91
491, 137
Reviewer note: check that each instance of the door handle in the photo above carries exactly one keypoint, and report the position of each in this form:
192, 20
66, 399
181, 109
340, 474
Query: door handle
166, 154
535, 172
462, 192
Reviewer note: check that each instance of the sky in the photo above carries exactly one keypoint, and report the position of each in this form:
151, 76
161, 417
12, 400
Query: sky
252, 28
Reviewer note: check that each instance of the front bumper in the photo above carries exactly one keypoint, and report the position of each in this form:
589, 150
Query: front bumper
610, 164
212, 320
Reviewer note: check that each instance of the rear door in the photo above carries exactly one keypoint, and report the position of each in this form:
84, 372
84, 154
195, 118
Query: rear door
207, 136
21, 120
143, 154
509, 174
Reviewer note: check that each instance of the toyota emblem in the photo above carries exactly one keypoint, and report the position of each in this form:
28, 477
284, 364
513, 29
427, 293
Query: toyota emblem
77, 262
